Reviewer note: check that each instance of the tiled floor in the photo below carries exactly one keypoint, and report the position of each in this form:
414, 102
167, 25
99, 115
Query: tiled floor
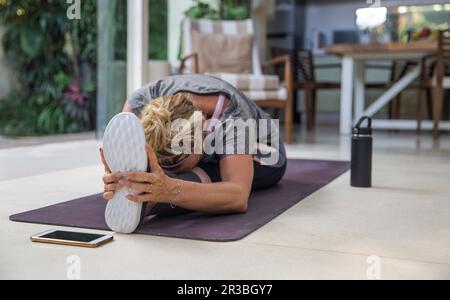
404, 220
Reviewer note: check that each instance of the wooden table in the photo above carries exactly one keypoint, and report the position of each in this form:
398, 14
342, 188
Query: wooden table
354, 59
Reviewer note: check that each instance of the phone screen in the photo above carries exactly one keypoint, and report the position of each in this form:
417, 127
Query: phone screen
72, 236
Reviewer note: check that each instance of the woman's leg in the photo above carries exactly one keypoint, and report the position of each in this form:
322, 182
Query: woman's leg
266, 176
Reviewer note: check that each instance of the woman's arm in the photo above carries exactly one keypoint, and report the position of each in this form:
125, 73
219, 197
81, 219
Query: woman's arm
228, 196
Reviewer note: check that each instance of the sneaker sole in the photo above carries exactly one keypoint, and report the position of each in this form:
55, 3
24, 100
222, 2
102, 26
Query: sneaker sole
124, 149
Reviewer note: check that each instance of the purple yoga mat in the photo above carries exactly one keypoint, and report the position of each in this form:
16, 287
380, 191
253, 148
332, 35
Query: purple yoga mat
302, 178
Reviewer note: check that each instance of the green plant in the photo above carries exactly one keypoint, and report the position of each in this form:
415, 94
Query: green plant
55, 61
202, 11
120, 36
157, 29
227, 10
48, 53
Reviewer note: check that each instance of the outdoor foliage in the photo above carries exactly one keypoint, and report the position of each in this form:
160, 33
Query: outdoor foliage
54, 60
220, 10
157, 29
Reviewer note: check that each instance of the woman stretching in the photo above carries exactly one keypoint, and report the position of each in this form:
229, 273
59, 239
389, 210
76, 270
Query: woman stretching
222, 164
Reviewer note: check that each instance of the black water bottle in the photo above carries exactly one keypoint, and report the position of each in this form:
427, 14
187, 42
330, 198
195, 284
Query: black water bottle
361, 164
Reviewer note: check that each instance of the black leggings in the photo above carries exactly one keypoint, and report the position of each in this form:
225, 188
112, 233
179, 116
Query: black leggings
264, 177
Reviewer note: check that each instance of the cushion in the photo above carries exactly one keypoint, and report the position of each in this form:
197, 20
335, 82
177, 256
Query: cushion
280, 94
223, 53
250, 82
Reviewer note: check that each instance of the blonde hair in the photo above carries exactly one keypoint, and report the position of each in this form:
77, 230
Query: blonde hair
157, 118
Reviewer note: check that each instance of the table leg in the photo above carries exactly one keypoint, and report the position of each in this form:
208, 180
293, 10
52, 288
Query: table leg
360, 89
347, 79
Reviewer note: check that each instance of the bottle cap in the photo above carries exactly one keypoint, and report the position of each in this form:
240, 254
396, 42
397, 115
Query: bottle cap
362, 131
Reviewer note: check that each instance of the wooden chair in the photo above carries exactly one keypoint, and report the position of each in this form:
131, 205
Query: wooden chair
308, 82
279, 97
437, 79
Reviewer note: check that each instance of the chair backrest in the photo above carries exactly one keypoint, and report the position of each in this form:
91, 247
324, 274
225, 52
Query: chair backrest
303, 61
279, 68
227, 27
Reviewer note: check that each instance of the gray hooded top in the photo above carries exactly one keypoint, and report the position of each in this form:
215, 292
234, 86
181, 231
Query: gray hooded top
269, 148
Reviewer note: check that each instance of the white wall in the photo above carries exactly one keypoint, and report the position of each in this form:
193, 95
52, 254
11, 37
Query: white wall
5, 72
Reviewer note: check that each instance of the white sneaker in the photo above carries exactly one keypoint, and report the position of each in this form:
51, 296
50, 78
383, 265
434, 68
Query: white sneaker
124, 150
